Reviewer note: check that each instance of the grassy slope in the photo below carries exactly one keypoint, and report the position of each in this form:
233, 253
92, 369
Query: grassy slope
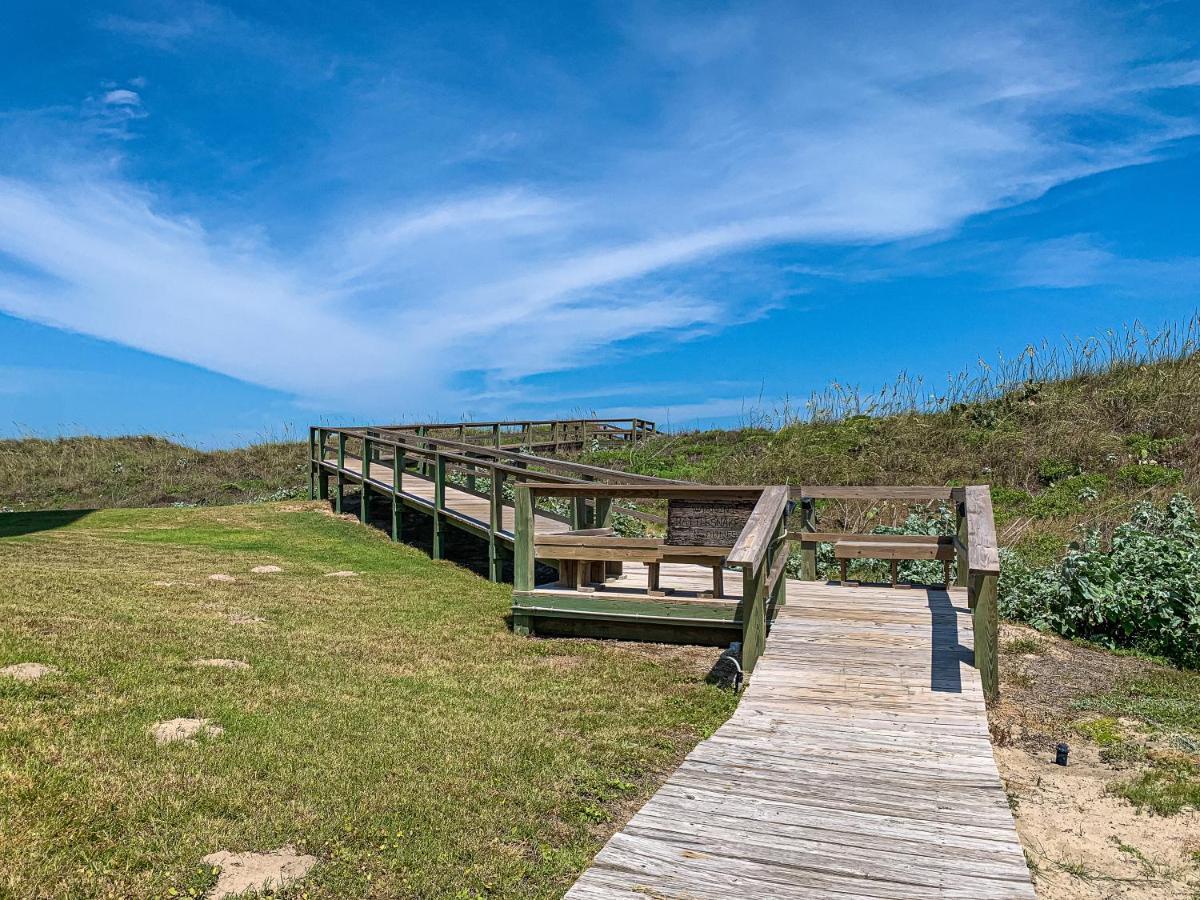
90, 472
1128, 434
391, 724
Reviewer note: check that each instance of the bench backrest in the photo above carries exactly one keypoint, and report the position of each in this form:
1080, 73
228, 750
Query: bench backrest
706, 523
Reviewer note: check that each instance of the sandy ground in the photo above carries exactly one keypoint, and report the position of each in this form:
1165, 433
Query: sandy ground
1082, 843
241, 872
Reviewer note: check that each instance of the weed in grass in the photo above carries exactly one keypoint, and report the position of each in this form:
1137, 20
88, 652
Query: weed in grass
1023, 646
1166, 699
1168, 787
1103, 731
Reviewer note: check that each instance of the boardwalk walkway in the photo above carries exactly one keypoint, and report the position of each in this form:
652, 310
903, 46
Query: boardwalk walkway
857, 764
468, 509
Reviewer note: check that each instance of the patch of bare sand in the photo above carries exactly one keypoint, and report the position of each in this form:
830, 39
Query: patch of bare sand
243, 618
345, 573
1087, 845
220, 663
266, 570
28, 671
174, 730
241, 872
221, 577
1083, 843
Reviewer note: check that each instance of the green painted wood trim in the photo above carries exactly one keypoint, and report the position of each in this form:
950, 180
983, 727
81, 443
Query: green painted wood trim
665, 609
522, 624
986, 626
523, 561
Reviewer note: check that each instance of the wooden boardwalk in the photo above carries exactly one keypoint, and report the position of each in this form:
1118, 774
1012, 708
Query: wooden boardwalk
858, 764
468, 509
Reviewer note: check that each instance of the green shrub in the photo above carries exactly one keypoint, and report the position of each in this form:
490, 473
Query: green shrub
1149, 474
1068, 496
1141, 593
1143, 446
1051, 470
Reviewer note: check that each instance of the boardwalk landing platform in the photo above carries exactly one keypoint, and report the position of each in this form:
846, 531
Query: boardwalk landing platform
858, 764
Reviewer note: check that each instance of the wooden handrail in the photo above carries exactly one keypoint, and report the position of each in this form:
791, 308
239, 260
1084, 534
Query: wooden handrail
656, 491
877, 492
529, 458
982, 552
755, 539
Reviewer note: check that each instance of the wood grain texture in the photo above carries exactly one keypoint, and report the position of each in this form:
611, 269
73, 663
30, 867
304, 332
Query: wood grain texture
982, 551
858, 764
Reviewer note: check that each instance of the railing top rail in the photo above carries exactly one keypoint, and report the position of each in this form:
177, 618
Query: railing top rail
646, 491
877, 492
415, 442
513, 423
983, 554
755, 539
515, 471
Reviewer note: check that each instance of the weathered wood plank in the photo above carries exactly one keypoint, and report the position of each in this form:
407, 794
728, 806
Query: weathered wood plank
858, 764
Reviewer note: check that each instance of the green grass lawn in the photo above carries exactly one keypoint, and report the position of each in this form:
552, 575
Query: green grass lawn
390, 724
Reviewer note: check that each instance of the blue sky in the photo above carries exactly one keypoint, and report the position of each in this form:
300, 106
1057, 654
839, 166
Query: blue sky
220, 220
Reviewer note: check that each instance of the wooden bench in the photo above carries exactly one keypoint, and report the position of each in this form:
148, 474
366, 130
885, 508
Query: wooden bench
893, 548
699, 532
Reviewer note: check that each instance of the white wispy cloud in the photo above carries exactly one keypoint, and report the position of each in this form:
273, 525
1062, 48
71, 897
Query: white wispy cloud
763, 131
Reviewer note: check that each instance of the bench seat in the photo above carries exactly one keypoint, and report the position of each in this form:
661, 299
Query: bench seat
911, 547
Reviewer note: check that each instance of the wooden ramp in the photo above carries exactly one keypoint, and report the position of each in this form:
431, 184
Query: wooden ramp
466, 508
858, 764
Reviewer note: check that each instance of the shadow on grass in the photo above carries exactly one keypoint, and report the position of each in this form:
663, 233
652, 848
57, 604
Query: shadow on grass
18, 523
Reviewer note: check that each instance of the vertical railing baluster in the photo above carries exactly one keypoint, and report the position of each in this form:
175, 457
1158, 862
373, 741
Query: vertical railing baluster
341, 473
523, 559
495, 522
960, 555
808, 549
322, 472
397, 484
439, 505
313, 468
364, 504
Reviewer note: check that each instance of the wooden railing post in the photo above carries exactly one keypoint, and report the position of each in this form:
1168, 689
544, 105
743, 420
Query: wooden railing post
961, 555
523, 558
496, 523
754, 616
322, 474
439, 505
981, 590
779, 545
496, 435
808, 549
313, 468
340, 498
397, 484
364, 506
422, 461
